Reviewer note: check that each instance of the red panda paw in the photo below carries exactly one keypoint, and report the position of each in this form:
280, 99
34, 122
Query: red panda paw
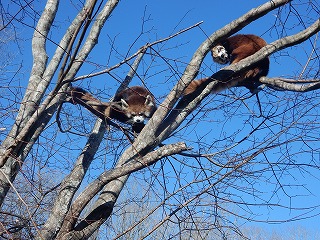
252, 73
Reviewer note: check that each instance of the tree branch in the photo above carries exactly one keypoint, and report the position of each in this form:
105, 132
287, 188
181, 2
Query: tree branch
99, 213
146, 139
292, 85
30, 100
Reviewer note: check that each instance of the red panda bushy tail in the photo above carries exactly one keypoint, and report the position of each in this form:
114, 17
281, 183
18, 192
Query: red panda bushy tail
78, 93
194, 85
94, 105
220, 86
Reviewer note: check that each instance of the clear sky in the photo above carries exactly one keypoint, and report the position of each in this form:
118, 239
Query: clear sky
163, 18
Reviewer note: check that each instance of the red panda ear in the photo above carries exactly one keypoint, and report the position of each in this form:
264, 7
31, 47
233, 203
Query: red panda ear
124, 104
149, 101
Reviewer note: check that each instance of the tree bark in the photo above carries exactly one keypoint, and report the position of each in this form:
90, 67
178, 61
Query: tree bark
14, 150
149, 138
10, 162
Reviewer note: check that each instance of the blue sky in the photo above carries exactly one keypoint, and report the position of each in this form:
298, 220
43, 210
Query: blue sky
164, 18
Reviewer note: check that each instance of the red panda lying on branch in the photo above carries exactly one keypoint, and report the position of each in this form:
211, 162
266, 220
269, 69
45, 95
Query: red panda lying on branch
232, 50
132, 105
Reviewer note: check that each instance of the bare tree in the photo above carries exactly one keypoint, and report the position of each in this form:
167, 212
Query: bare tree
231, 165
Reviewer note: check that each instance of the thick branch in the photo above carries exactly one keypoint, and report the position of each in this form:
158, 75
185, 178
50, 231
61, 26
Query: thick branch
30, 100
66, 226
71, 183
295, 86
48, 107
146, 140
92, 189
33, 97
115, 186
95, 141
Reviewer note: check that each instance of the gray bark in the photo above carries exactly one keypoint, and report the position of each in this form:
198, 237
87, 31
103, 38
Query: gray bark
20, 140
152, 134
10, 161
31, 120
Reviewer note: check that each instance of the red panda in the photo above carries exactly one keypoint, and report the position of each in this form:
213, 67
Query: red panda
132, 105
137, 104
232, 50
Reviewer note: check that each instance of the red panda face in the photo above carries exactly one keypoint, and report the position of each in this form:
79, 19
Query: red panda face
137, 112
219, 54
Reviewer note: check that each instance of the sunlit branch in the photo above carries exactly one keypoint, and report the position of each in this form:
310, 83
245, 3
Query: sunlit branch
282, 84
112, 174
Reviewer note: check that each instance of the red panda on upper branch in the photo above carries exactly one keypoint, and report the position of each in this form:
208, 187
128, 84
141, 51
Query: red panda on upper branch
232, 50
132, 105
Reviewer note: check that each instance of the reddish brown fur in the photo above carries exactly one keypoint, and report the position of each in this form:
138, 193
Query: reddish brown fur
82, 97
239, 47
135, 97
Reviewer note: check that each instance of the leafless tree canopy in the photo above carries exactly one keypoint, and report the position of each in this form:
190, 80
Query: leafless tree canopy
203, 165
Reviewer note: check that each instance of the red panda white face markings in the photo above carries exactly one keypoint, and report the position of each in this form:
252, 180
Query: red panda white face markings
137, 113
220, 54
